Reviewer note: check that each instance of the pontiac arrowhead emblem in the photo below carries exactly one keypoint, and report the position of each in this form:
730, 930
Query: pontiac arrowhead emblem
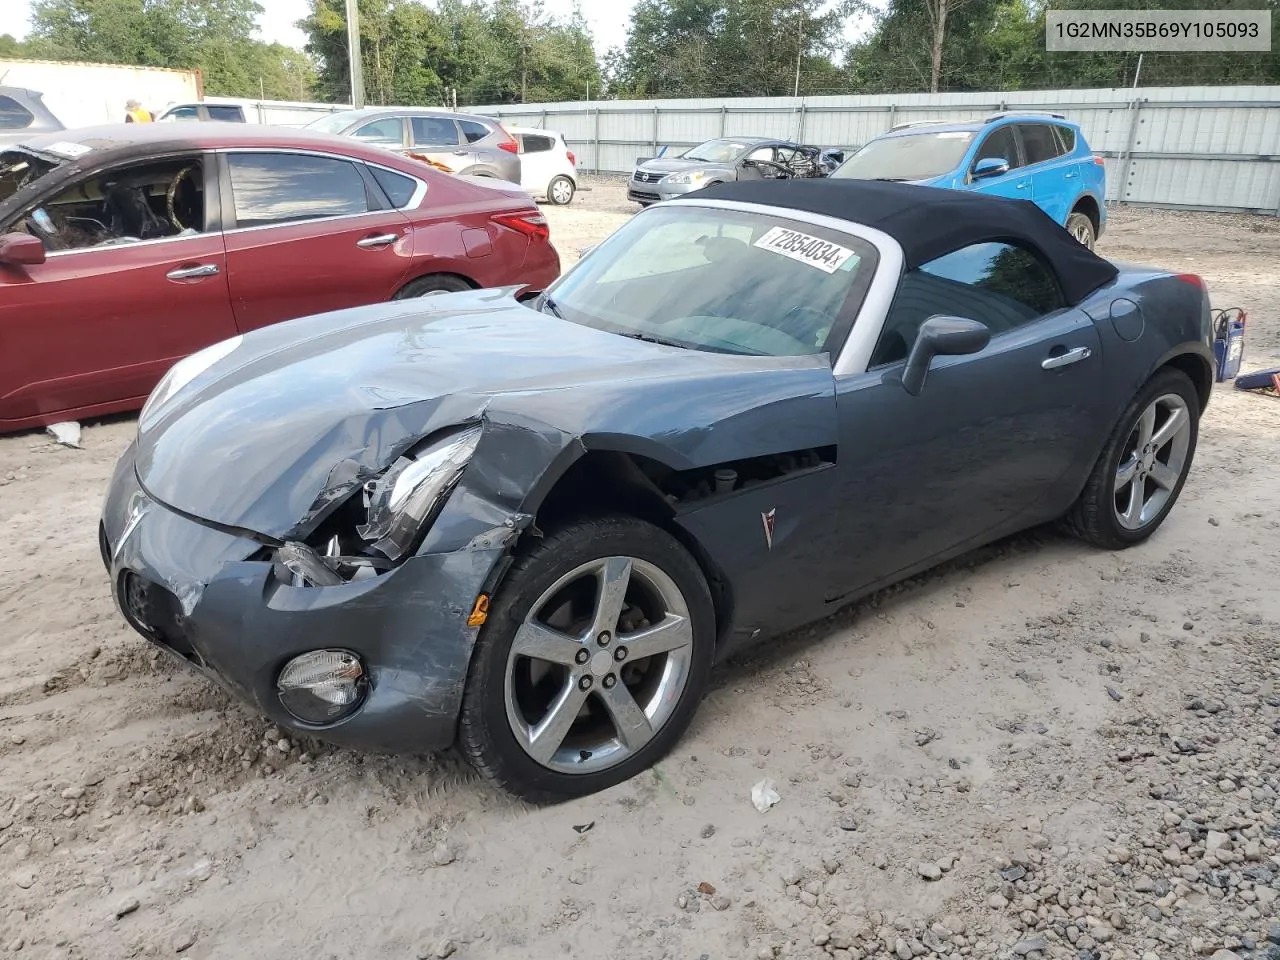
768, 519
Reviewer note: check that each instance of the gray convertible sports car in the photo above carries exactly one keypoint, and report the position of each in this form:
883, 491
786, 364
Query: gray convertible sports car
531, 528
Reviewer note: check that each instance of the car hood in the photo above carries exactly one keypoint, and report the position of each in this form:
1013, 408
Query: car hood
676, 165
301, 413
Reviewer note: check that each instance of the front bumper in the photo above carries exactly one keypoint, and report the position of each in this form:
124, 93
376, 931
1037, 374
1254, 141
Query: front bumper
656, 192
199, 593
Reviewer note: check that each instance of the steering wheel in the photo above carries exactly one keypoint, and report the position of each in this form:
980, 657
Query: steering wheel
172, 193
802, 319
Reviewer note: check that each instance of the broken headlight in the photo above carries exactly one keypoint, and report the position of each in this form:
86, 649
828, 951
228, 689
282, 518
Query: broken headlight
402, 500
385, 521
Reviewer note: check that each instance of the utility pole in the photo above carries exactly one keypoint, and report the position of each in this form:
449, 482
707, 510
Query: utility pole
799, 52
353, 55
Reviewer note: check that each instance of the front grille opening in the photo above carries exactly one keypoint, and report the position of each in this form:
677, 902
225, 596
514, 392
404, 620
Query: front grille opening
156, 614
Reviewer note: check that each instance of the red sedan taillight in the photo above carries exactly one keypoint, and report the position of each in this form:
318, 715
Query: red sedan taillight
510, 146
1100, 161
533, 225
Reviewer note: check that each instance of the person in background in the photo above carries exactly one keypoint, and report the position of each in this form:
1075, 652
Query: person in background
134, 113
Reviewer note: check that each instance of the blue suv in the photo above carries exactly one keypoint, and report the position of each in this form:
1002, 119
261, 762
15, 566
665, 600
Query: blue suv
1038, 157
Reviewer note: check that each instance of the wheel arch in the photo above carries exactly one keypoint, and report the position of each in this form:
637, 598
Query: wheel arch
428, 272
1087, 205
1197, 367
615, 478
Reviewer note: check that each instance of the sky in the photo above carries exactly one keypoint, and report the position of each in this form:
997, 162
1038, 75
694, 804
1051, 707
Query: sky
608, 19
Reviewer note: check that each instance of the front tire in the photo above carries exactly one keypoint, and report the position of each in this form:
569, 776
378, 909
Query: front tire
560, 191
1141, 472
592, 662
1080, 226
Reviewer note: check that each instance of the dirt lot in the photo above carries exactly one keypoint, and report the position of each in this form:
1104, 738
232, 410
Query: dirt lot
1040, 751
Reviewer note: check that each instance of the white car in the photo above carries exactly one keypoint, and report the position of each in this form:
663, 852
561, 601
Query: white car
547, 165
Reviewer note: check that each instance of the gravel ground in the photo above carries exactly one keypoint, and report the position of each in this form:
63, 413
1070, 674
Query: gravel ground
1038, 751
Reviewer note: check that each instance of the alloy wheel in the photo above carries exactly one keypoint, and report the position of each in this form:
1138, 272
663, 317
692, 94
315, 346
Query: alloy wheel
1153, 463
562, 191
599, 665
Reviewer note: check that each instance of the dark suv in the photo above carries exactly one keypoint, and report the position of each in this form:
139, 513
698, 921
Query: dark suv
461, 143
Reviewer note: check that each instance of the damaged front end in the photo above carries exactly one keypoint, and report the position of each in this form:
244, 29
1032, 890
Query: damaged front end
357, 625
385, 519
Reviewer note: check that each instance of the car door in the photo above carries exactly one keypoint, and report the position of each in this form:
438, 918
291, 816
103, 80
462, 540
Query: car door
183, 113
307, 233
389, 132
438, 139
1055, 178
537, 162
989, 443
225, 112
749, 166
1002, 142
124, 291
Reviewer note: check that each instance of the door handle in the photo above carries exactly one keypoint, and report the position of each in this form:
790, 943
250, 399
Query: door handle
1024, 185
1070, 176
192, 273
1068, 358
382, 240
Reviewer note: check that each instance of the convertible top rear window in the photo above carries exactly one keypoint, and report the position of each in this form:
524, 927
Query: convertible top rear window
722, 281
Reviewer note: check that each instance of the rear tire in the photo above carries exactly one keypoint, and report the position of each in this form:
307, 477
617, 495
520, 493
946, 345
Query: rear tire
1080, 225
560, 191
622, 708
1143, 468
435, 284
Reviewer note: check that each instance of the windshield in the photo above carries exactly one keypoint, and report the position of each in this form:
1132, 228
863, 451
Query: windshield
718, 280
18, 168
716, 151
915, 156
334, 122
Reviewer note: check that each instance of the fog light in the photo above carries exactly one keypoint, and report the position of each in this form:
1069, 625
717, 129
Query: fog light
323, 686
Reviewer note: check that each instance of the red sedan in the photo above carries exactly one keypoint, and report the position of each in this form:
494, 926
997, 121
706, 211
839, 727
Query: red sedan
126, 248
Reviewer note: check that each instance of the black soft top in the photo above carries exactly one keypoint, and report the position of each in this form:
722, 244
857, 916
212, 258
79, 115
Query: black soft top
929, 222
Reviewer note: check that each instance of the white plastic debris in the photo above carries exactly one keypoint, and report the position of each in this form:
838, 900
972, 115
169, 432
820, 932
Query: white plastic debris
763, 796
66, 433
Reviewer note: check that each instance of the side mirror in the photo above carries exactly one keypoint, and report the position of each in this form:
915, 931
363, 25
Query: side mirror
941, 337
583, 251
990, 167
21, 249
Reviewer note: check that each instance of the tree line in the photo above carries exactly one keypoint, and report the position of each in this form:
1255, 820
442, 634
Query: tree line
214, 36
511, 51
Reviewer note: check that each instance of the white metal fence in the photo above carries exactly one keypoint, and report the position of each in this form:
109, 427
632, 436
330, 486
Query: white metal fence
1208, 148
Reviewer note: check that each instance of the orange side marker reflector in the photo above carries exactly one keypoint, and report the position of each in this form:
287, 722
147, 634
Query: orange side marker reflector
480, 612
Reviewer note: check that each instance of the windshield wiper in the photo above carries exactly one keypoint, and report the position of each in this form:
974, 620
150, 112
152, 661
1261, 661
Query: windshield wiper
650, 338
549, 306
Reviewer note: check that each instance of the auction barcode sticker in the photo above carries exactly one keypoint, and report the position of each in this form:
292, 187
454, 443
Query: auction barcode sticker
1154, 31
816, 252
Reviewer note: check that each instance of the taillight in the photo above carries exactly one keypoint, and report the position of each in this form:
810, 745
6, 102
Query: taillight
532, 225
573, 161
1100, 161
510, 146
1190, 278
